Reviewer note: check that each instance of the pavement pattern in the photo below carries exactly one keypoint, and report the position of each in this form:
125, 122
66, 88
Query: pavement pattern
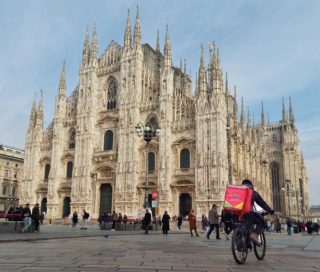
136, 252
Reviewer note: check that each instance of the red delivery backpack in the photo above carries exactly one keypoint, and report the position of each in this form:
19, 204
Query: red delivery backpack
238, 199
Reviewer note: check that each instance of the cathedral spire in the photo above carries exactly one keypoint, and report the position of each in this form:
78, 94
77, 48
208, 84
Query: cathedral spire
137, 31
248, 120
40, 116
235, 109
167, 50
86, 48
283, 111
227, 93
127, 33
242, 115
62, 83
262, 114
291, 115
185, 68
158, 42
33, 114
94, 44
202, 72
268, 119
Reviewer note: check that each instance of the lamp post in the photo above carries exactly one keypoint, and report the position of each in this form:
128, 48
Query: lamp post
148, 134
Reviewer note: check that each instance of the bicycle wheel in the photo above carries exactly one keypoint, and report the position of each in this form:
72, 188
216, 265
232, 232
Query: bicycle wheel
260, 252
239, 245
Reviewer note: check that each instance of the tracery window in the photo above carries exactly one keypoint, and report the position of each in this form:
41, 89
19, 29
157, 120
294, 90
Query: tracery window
72, 138
276, 186
151, 162
112, 95
46, 172
108, 140
69, 169
185, 158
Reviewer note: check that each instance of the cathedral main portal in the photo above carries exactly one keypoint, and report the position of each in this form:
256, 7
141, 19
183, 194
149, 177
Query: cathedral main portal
105, 198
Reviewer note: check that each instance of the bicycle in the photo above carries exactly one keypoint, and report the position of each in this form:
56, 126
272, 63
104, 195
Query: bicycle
241, 242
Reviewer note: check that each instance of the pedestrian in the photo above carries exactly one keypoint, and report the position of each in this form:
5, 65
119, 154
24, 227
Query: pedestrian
125, 221
165, 223
66, 221
227, 218
74, 219
36, 217
214, 222
27, 218
193, 223
114, 218
277, 225
147, 221
179, 222
85, 218
120, 218
204, 222
42, 217
289, 225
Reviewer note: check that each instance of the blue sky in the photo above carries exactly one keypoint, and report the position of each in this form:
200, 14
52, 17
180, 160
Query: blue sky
271, 49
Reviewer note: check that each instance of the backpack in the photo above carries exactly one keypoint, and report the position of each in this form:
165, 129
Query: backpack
238, 199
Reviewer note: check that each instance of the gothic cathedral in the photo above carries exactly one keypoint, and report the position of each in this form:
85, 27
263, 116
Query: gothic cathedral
90, 156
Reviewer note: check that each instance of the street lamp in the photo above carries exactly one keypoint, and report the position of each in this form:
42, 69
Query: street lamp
288, 190
148, 134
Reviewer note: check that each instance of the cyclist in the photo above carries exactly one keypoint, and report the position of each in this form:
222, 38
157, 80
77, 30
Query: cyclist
253, 217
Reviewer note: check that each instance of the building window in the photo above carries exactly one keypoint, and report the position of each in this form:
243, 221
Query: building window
69, 169
46, 171
112, 95
108, 140
14, 191
7, 163
15, 174
72, 138
6, 173
151, 162
4, 190
274, 138
185, 158
17, 165
276, 187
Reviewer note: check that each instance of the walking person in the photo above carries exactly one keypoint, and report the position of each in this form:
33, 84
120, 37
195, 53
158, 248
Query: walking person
85, 218
179, 222
277, 225
214, 222
26, 218
289, 225
165, 223
193, 223
36, 217
114, 218
74, 219
147, 220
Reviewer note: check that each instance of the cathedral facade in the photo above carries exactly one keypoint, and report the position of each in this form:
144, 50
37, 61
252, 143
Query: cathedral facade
90, 156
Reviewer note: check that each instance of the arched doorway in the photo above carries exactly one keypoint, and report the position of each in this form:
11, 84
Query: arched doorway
105, 198
185, 204
44, 205
66, 206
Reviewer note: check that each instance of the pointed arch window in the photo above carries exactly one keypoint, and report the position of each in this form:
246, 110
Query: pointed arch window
108, 140
151, 162
185, 158
72, 138
14, 191
112, 95
69, 169
46, 172
276, 186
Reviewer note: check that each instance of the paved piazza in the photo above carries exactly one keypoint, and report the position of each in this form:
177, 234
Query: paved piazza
124, 251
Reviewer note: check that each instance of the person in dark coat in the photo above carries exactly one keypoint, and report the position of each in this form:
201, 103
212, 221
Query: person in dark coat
147, 220
74, 219
179, 222
36, 217
165, 223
